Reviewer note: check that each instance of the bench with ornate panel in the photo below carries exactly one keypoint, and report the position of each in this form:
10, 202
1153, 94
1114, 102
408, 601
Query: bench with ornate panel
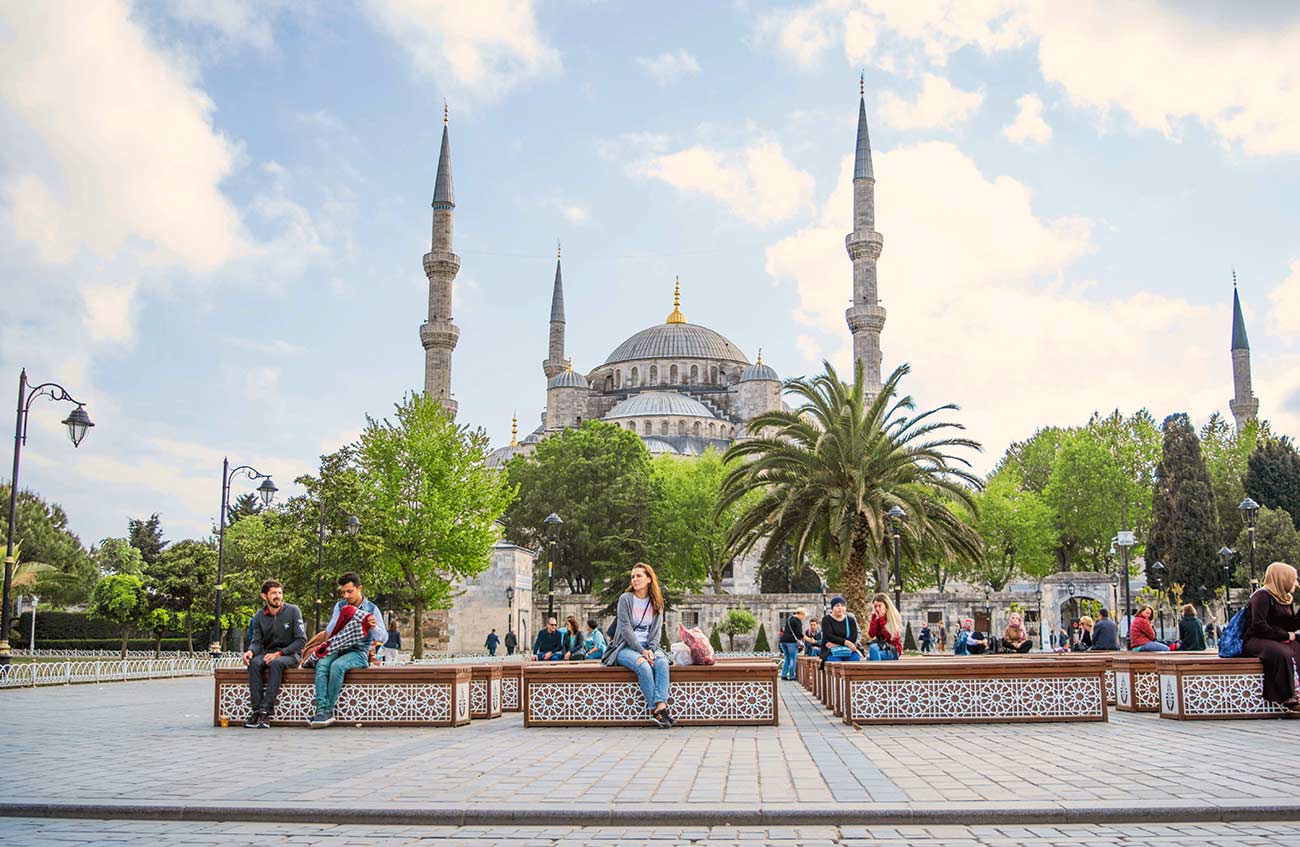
411, 695
958, 690
511, 684
1137, 683
485, 691
1204, 687
731, 693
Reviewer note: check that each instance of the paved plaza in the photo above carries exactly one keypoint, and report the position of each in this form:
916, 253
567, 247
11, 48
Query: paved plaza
150, 746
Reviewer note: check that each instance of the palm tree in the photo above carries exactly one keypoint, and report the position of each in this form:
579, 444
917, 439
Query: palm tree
828, 472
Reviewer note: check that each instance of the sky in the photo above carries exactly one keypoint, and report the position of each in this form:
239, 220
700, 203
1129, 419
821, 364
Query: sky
213, 212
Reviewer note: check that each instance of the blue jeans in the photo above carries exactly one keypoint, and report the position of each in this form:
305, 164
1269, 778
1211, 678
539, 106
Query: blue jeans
1153, 647
876, 653
329, 676
852, 657
557, 656
653, 682
791, 653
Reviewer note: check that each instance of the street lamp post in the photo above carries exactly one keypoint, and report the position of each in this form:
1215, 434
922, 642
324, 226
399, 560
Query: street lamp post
1124, 540
552, 522
1157, 580
1042, 645
825, 611
1225, 556
267, 490
1249, 513
510, 608
896, 517
77, 422
354, 526
988, 604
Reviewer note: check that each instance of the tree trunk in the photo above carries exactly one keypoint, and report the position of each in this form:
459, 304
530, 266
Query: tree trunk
126, 634
418, 637
157, 645
853, 583
716, 574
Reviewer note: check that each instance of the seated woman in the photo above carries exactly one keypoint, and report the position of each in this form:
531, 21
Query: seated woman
571, 643
969, 642
885, 629
1190, 631
840, 634
1016, 638
1268, 631
638, 625
1086, 624
1142, 635
594, 644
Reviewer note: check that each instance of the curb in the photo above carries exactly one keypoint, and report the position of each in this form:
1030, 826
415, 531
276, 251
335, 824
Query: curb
837, 815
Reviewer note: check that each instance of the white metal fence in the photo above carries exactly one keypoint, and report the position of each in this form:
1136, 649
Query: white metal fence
30, 674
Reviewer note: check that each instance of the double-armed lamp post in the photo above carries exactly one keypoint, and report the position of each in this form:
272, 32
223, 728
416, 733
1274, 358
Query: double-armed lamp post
78, 423
552, 522
896, 517
267, 490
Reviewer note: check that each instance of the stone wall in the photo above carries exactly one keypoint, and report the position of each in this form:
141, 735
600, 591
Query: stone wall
481, 604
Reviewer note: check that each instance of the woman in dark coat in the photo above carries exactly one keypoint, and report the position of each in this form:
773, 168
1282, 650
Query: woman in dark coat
1269, 633
1190, 632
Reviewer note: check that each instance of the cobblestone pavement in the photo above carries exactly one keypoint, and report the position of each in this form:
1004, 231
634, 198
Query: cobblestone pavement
45, 831
153, 742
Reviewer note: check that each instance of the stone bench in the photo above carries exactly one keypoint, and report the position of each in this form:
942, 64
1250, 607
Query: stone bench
732, 693
1010, 690
1137, 683
411, 695
1199, 687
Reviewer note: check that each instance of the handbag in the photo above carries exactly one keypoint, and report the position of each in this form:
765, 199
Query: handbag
1230, 638
840, 651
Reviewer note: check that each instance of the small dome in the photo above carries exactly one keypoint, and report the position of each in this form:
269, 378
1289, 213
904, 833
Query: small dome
658, 447
568, 379
676, 341
758, 370
501, 456
534, 437
660, 403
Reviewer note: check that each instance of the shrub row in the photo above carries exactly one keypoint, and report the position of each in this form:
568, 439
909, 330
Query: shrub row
110, 644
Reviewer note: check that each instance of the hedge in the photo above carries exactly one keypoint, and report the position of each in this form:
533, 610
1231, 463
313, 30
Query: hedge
114, 644
75, 626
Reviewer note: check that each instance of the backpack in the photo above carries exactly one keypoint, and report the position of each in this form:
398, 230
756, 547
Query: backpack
1230, 638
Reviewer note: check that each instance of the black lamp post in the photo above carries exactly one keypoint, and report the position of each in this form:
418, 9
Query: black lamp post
552, 522
1249, 513
825, 611
896, 517
1225, 556
988, 604
354, 526
1039, 596
267, 490
1126, 539
510, 608
1157, 579
78, 423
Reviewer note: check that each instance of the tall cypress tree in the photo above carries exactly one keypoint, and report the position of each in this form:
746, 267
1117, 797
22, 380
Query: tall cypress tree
1184, 527
1273, 476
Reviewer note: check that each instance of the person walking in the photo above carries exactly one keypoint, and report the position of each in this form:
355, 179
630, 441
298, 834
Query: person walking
943, 637
925, 637
791, 636
512, 643
491, 643
638, 627
393, 645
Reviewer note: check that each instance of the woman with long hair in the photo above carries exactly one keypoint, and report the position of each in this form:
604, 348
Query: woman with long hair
885, 629
1268, 632
1015, 637
638, 625
1142, 635
572, 641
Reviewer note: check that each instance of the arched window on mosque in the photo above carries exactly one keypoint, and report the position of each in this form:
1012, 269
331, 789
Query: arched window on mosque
672, 374
713, 375
618, 379
632, 381
663, 427
609, 382
654, 374
647, 427
713, 430
681, 427
631, 425
695, 374
695, 430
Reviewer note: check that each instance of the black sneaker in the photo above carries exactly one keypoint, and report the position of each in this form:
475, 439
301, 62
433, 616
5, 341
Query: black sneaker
264, 722
668, 716
320, 720
253, 721
661, 719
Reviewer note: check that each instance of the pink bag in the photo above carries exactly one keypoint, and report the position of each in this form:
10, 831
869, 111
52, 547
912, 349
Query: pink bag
701, 649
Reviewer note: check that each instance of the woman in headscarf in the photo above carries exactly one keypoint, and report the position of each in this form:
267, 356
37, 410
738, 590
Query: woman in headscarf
1016, 638
1269, 632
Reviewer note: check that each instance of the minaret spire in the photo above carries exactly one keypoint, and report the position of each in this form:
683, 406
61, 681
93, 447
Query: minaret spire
1244, 404
438, 335
554, 362
866, 317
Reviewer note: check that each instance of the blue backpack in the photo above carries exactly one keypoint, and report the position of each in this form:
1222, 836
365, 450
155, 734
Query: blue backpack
1230, 638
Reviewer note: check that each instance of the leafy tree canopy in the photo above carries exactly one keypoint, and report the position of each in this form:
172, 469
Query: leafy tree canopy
146, 536
42, 537
1184, 530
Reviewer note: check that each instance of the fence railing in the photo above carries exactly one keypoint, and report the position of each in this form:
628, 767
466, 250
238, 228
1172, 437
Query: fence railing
28, 674
114, 654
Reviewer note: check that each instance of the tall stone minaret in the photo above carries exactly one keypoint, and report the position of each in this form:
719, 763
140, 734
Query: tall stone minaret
1244, 403
439, 334
554, 362
866, 317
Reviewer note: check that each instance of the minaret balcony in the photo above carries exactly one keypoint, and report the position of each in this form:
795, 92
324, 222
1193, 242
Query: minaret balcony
865, 318
441, 264
439, 335
864, 244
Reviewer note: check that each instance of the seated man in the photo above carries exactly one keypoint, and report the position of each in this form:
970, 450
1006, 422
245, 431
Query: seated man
812, 638
969, 641
278, 636
1105, 634
342, 648
549, 646
594, 645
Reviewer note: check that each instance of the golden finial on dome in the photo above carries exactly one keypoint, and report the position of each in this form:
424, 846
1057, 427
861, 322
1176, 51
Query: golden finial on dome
677, 317
514, 430
568, 365
760, 355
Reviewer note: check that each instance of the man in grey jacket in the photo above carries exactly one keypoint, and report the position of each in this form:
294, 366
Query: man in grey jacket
278, 638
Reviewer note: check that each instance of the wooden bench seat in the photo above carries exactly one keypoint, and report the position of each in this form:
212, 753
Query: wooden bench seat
1137, 683
408, 695
733, 693
485, 691
1012, 690
1198, 687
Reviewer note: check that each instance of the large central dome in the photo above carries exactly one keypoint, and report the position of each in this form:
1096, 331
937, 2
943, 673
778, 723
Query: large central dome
677, 341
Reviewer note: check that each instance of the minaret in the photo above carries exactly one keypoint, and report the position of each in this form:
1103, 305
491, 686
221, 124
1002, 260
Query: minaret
1244, 404
439, 334
866, 317
554, 362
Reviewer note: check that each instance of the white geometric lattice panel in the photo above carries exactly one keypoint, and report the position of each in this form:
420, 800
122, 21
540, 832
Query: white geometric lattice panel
1110, 686
462, 701
975, 699
1146, 690
510, 693
1226, 694
478, 697
620, 702
360, 703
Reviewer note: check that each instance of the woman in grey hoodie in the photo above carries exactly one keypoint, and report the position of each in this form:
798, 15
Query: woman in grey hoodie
635, 644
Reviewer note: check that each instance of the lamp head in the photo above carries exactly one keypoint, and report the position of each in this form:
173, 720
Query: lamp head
267, 489
1249, 512
552, 522
354, 525
78, 423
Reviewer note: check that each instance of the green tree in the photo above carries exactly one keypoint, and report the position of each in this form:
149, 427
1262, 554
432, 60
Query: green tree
1273, 476
1018, 529
120, 598
43, 536
778, 572
1276, 540
760, 641
183, 581
146, 536
245, 506
1034, 458
1227, 453
432, 500
827, 473
714, 640
598, 479
1185, 529
736, 622
116, 555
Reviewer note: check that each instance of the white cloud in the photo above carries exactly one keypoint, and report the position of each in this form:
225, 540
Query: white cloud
980, 304
757, 184
803, 35
1284, 305
939, 105
238, 22
113, 141
109, 312
481, 49
576, 214
1029, 124
667, 68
